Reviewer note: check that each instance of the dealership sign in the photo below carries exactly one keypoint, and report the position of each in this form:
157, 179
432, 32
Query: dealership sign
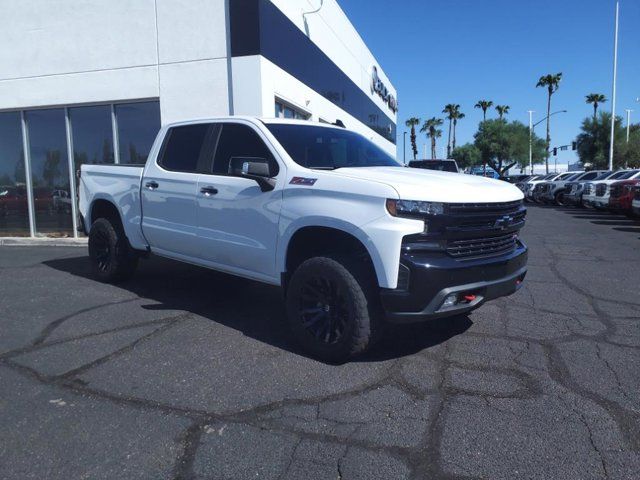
377, 86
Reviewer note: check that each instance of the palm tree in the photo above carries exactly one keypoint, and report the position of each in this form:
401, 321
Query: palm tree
458, 116
412, 123
450, 110
502, 110
596, 99
484, 105
430, 127
551, 83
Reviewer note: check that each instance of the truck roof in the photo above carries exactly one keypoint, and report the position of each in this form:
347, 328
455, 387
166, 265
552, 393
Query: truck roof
268, 121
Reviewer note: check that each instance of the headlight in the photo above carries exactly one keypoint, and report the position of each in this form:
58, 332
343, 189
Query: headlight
413, 208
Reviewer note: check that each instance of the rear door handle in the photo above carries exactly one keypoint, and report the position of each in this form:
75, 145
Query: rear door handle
208, 191
151, 185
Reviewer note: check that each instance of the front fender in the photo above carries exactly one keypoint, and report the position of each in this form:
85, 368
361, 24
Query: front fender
381, 237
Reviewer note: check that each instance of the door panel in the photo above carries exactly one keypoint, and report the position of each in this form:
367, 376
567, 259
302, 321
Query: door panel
170, 186
238, 225
169, 219
238, 222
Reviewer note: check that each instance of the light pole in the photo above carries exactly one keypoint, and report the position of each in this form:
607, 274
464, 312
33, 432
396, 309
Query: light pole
404, 147
532, 126
615, 79
628, 123
531, 112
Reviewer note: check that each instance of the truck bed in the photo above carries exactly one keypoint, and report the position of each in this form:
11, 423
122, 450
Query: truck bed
119, 184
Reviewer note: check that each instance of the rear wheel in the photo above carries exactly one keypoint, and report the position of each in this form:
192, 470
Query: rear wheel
332, 307
112, 258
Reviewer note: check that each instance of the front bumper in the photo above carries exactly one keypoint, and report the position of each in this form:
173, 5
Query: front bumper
573, 198
433, 277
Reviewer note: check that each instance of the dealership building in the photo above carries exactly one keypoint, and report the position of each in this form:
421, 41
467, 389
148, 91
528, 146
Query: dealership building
91, 82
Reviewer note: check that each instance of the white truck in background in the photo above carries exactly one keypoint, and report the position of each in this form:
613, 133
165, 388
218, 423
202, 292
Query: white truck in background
355, 240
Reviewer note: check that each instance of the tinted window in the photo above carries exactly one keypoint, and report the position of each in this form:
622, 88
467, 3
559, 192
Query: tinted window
329, 148
92, 135
50, 171
14, 210
441, 165
589, 176
628, 174
240, 141
138, 125
185, 147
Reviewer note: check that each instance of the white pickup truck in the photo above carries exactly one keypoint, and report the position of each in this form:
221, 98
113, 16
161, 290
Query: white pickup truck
354, 239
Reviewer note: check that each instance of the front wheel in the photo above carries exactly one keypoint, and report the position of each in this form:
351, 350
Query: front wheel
112, 258
332, 307
559, 198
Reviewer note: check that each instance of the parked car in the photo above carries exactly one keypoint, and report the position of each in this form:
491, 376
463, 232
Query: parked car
589, 191
621, 196
540, 188
575, 189
560, 188
635, 204
553, 191
602, 190
531, 184
13, 200
484, 172
515, 179
522, 184
354, 239
441, 165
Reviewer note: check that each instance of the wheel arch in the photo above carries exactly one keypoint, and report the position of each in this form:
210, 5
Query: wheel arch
320, 238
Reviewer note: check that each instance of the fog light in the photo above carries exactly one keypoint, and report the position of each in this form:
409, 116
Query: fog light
450, 301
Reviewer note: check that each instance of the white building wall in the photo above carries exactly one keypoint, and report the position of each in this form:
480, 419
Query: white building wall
69, 52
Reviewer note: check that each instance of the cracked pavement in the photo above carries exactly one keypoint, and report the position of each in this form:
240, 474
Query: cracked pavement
184, 373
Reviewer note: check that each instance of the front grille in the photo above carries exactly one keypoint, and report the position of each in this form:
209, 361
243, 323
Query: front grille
471, 208
482, 247
616, 191
601, 190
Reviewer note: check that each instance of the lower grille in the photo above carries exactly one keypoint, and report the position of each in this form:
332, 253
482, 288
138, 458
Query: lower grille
482, 247
600, 190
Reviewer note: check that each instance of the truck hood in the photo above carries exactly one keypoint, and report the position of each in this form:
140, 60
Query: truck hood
436, 186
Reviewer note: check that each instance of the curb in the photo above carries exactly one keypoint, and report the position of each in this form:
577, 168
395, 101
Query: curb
42, 242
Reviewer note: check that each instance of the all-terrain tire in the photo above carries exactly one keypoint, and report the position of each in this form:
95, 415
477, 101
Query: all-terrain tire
112, 258
346, 317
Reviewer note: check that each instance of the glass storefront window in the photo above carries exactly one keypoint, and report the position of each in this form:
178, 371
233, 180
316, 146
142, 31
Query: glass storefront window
138, 125
50, 172
14, 208
92, 135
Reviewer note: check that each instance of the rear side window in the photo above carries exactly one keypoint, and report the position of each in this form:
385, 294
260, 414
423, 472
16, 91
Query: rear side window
589, 176
185, 148
238, 140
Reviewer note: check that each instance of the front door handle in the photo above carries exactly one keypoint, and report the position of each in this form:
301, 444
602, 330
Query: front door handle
151, 185
208, 191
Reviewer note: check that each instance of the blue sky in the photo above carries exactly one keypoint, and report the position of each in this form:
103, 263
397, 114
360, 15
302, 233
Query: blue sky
459, 51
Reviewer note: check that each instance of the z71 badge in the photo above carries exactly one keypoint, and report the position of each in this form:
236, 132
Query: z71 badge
303, 181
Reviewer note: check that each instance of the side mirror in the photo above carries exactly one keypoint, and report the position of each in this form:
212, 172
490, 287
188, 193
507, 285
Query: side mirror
258, 169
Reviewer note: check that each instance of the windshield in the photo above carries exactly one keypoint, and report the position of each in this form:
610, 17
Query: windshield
628, 174
329, 148
441, 165
604, 176
572, 177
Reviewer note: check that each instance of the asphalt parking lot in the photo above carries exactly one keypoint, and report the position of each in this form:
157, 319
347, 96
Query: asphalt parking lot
183, 373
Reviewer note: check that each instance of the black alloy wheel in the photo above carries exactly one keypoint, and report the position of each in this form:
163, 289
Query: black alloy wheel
323, 309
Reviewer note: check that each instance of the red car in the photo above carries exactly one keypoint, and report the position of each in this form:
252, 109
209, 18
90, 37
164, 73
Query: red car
621, 196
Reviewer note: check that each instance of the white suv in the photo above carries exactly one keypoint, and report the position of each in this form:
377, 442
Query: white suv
596, 194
